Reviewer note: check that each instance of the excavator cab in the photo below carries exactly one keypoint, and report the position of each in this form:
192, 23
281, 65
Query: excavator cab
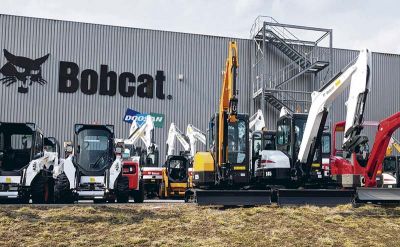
390, 171
261, 140
235, 151
390, 164
290, 131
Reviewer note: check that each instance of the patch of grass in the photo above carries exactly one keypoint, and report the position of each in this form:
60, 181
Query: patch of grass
191, 225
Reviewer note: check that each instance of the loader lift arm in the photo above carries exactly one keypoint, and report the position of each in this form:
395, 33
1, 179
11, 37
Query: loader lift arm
357, 76
257, 121
173, 134
188, 141
194, 135
145, 133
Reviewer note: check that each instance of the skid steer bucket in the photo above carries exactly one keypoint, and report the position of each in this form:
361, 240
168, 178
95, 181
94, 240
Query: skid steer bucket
233, 197
318, 197
378, 195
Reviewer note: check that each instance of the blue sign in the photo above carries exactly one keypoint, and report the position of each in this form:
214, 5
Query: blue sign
129, 115
140, 118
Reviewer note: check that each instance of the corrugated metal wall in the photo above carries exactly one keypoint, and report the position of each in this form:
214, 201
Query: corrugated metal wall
201, 60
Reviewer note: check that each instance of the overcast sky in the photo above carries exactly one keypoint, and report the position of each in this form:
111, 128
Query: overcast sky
356, 24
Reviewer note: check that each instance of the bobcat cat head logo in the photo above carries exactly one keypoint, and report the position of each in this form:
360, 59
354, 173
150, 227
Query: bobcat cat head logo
22, 69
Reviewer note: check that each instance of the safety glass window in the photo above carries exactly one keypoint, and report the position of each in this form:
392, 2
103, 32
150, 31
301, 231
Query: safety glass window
299, 127
283, 134
326, 144
95, 143
389, 165
237, 142
257, 142
21, 142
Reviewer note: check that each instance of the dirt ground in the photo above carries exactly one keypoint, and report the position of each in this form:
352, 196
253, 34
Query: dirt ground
190, 225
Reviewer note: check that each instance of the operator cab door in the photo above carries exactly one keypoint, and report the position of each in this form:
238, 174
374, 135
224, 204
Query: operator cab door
321, 159
326, 146
261, 140
284, 137
289, 135
269, 140
257, 146
94, 148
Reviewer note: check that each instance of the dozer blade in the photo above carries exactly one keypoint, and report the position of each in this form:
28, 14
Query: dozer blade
233, 197
378, 195
318, 197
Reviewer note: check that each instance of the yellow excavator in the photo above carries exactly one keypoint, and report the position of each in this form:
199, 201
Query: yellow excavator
221, 176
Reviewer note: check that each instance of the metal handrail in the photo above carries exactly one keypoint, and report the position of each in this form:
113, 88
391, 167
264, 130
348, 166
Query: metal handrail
293, 68
308, 51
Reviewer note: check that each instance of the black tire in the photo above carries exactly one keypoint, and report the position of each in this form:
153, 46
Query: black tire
138, 195
122, 190
40, 190
62, 192
24, 197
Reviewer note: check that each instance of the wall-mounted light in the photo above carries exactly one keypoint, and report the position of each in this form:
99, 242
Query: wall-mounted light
180, 77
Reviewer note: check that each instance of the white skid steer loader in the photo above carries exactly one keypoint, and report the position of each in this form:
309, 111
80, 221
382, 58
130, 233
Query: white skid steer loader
93, 168
25, 166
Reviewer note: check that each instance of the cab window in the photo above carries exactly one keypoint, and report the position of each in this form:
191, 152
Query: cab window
326, 144
283, 133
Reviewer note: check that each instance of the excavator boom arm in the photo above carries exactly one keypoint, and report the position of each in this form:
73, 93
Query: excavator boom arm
382, 138
228, 100
357, 76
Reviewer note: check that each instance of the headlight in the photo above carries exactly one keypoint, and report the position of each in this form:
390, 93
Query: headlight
117, 167
34, 166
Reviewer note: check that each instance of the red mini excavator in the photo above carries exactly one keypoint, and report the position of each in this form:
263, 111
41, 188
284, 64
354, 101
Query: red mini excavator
363, 166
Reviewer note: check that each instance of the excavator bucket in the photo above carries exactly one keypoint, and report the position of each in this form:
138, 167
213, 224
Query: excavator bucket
384, 196
318, 197
233, 197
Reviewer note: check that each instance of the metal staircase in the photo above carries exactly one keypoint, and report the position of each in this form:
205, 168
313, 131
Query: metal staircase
304, 59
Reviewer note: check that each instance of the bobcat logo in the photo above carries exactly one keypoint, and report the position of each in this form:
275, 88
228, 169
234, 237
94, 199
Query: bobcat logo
22, 69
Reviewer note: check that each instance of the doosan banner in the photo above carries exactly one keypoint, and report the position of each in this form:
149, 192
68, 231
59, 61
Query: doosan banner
140, 118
